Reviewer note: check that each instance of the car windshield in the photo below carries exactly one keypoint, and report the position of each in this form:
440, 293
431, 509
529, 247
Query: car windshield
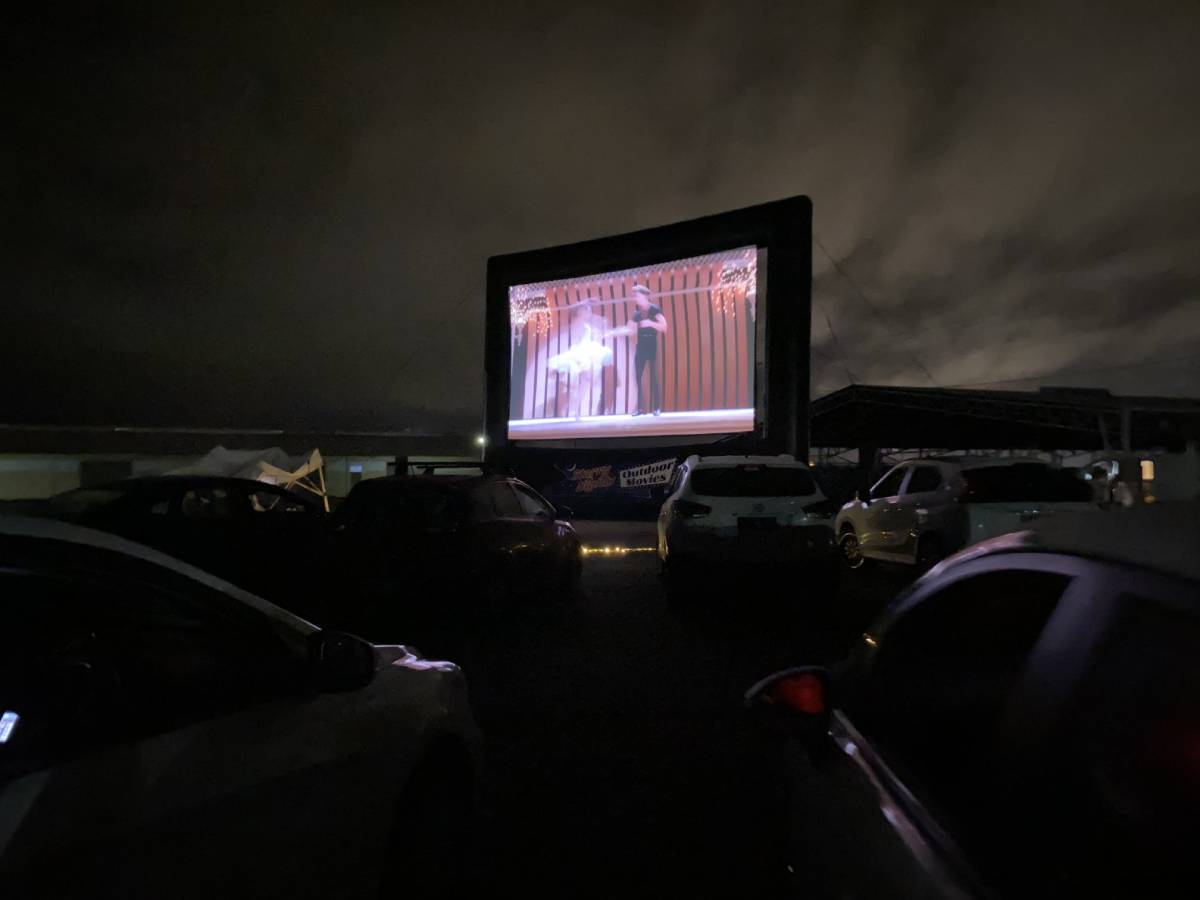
753, 481
1025, 483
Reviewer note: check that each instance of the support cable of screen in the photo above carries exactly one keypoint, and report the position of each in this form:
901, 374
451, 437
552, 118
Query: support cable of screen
872, 307
423, 343
837, 345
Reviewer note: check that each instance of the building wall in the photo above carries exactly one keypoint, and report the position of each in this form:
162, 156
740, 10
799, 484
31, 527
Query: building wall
24, 478
33, 476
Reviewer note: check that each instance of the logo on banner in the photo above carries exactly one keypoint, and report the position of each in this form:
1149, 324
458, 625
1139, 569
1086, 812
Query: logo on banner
596, 479
648, 475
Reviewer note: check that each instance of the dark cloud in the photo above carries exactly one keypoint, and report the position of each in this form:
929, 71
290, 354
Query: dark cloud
282, 217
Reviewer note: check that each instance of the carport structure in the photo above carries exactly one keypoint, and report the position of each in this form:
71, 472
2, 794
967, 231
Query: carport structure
1071, 420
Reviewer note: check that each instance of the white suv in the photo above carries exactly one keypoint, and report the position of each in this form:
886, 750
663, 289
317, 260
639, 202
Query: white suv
744, 509
925, 509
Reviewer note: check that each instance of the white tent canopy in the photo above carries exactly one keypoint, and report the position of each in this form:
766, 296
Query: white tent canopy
271, 465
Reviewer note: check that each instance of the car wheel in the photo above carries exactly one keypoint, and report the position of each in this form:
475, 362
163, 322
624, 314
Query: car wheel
929, 553
673, 587
573, 574
433, 827
851, 550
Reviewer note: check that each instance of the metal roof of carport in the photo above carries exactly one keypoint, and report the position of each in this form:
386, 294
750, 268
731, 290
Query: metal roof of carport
959, 419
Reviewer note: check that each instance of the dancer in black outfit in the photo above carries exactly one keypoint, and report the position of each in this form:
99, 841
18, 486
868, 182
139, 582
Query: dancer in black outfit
650, 323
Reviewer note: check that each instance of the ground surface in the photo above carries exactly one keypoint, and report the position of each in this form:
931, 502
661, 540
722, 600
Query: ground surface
618, 757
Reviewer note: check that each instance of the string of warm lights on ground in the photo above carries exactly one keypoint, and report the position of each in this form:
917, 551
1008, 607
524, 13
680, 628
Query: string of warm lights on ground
616, 551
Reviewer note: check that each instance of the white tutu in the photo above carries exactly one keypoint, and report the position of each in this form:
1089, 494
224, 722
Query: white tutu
584, 356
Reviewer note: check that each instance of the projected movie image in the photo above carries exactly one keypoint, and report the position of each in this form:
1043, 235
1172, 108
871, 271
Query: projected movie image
664, 349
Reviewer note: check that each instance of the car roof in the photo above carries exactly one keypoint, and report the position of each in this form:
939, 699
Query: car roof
65, 533
981, 462
447, 481
717, 461
1160, 537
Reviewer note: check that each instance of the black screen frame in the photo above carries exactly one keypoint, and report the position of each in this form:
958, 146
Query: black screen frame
783, 228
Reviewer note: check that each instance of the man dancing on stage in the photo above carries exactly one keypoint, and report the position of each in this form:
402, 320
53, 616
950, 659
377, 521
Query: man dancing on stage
650, 323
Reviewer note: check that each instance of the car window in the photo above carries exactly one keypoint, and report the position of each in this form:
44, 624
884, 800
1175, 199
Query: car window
752, 481
86, 664
1024, 483
1119, 785
416, 505
210, 503
924, 479
889, 485
676, 478
277, 503
502, 502
937, 685
533, 506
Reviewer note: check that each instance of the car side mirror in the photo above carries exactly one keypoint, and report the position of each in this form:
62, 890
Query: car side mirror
341, 662
794, 703
565, 513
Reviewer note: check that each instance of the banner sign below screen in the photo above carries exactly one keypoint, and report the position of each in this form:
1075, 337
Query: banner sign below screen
647, 475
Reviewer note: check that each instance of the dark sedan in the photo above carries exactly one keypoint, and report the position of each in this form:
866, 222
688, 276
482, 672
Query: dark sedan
259, 536
1023, 722
433, 547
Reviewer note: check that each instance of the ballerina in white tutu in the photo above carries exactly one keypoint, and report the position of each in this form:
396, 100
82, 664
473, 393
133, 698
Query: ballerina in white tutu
582, 364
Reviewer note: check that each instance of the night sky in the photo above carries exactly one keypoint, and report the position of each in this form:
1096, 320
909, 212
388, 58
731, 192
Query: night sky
230, 218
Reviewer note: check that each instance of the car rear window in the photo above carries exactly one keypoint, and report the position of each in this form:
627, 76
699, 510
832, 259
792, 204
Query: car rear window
753, 481
419, 506
1025, 483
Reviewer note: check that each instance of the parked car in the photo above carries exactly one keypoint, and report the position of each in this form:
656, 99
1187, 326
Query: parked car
260, 536
1024, 721
164, 733
925, 509
432, 546
743, 510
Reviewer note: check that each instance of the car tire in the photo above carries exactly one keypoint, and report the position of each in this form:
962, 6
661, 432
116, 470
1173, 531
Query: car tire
852, 554
674, 588
930, 552
572, 576
433, 827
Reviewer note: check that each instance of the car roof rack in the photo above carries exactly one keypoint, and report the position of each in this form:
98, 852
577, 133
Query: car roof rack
432, 466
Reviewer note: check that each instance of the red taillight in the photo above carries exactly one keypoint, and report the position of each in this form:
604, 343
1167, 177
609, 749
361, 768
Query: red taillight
802, 693
686, 509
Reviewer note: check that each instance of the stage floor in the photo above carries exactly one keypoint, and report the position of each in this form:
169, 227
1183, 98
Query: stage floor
714, 421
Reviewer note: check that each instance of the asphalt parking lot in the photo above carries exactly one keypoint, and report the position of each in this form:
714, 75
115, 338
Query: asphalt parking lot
618, 757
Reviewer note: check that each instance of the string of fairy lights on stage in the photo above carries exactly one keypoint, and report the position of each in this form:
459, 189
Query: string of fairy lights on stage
523, 310
736, 282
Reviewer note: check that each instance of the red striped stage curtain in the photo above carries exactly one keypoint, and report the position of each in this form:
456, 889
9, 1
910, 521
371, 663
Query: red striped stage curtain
706, 356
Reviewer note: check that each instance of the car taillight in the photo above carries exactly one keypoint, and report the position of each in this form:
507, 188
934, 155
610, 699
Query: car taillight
686, 509
802, 693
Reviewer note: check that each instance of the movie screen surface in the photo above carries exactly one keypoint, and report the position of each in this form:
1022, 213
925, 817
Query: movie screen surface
657, 350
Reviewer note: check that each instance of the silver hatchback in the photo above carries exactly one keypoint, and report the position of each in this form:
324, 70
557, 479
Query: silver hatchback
925, 509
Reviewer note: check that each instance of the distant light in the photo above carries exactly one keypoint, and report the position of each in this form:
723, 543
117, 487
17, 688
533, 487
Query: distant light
1147, 470
811, 464
616, 551
481, 440
8, 723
